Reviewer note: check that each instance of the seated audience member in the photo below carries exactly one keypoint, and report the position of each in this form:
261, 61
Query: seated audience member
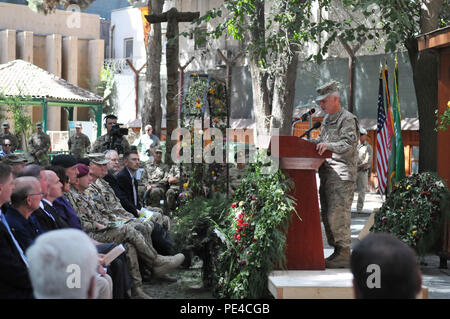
100, 227
118, 269
25, 200
113, 162
129, 184
50, 258
398, 274
61, 204
16, 162
69, 162
6, 148
14, 279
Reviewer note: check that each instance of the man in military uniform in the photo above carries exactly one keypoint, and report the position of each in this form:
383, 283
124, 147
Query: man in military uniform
78, 142
106, 142
340, 133
6, 134
365, 153
39, 145
102, 228
16, 161
105, 196
154, 180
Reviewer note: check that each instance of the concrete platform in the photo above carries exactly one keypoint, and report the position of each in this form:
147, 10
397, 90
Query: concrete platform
316, 284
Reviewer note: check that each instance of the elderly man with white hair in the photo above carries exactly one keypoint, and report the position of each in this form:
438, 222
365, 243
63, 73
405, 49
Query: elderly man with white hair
63, 265
146, 143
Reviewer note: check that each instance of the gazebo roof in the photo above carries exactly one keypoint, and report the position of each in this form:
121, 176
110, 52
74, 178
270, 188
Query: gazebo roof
22, 78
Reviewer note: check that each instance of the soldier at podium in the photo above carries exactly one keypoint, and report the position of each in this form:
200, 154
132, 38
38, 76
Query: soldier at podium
339, 135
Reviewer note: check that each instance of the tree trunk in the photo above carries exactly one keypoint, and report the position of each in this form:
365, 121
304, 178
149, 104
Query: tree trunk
283, 96
425, 74
151, 112
261, 92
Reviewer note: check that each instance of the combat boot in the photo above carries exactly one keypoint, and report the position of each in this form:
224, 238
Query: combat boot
336, 251
138, 293
341, 259
163, 264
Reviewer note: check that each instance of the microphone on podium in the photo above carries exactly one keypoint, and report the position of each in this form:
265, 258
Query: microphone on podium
305, 116
308, 132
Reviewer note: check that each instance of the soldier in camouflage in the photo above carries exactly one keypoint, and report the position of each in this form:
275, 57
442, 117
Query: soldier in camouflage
105, 197
154, 179
78, 143
365, 153
104, 142
103, 228
340, 133
39, 145
6, 134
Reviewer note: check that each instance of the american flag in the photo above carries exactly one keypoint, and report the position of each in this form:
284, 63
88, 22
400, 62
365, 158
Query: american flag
383, 142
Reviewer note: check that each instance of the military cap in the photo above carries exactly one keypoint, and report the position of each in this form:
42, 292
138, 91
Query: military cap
83, 170
158, 149
38, 124
64, 160
13, 159
78, 124
325, 90
362, 131
5, 124
98, 158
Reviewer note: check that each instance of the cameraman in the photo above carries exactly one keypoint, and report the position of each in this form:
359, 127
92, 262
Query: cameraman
113, 139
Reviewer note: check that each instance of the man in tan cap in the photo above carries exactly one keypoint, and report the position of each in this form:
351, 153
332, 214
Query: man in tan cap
339, 134
365, 153
78, 142
154, 180
16, 162
39, 145
6, 134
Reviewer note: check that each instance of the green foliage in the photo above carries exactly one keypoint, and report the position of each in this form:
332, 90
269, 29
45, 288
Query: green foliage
106, 89
194, 228
22, 121
414, 211
256, 236
444, 119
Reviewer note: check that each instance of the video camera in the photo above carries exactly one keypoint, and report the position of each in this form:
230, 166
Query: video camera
115, 141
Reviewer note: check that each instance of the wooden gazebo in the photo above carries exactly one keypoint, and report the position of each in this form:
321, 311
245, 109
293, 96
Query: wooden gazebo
37, 87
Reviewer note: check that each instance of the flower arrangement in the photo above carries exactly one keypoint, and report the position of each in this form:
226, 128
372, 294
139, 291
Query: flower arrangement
414, 211
256, 234
195, 97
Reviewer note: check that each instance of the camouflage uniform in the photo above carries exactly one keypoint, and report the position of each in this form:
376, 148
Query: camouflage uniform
365, 153
39, 145
78, 144
155, 175
107, 198
134, 241
101, 144
338, 175
10, 136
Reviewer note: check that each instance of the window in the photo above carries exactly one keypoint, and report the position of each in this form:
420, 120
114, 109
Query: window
128, 48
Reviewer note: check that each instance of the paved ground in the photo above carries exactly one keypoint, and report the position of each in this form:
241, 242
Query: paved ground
437, 280
189, 281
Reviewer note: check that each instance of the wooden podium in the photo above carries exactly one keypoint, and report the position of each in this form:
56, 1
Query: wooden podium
299, 160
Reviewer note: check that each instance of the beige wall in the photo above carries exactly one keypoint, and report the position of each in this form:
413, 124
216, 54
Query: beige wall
75, 54
20, 17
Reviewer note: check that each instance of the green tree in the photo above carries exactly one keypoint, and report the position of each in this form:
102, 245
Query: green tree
400, 24
275, 35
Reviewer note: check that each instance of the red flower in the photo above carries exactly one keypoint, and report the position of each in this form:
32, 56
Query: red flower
243, 262
234, 205
255, 240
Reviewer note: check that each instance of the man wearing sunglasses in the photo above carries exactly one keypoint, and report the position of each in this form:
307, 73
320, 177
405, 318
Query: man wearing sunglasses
6, 148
